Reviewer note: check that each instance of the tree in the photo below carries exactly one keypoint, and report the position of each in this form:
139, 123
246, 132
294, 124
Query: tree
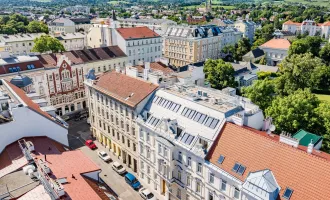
243, 47
294, 112
260, 93
258, 42
320, 78
309, 44
323, 111
325, 53
297, 72
219, 74
47, 43
37, 27
267, 31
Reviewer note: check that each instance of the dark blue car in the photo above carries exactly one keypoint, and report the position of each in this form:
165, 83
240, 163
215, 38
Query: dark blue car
132, 181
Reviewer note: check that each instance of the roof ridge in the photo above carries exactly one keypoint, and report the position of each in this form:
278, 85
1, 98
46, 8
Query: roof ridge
283, 144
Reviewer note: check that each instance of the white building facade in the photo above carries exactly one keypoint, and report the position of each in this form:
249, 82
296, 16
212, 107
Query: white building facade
308, 26
177, 129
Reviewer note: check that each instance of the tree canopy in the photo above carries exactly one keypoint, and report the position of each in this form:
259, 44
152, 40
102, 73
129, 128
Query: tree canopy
219, 74
17, 23
47, 43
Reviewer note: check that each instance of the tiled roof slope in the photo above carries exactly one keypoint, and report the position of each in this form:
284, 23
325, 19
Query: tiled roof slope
292, 23
129, 90
136, 33
308, 175
30, 104
156, 66
277, 44
83, 56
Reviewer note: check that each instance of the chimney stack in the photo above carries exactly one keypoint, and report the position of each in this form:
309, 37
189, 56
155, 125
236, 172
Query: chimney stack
310, 147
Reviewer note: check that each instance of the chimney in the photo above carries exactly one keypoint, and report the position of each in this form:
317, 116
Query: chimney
310, 147
146, 70
287, 139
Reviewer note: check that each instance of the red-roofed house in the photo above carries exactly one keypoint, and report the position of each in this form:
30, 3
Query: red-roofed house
114, 101
275, 50
247, 164
140, 44
309, 26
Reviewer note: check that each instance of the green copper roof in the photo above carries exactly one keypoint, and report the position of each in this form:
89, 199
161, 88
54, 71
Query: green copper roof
305, 137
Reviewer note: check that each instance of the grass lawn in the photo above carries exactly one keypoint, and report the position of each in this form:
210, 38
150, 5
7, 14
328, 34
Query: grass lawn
117, 2
323, 97
325, 3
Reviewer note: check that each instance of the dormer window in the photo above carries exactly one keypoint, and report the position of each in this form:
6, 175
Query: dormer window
287, 193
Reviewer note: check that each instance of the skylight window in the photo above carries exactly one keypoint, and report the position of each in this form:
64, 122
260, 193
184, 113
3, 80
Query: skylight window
221, 158
287, 193
239, 168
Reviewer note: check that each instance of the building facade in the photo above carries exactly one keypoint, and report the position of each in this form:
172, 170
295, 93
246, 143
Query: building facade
72, 41
275, 50
69, 25
247, 28
310, 27
113, 110
59, 78
19, 44
186, 45
177, 129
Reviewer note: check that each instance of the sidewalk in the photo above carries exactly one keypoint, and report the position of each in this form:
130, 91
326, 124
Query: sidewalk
115, 158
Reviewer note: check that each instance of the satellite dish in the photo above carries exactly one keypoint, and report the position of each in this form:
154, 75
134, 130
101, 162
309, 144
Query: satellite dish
272, 127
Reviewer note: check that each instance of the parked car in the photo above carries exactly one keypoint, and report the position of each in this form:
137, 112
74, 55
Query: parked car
81, 117
132, 181
146, 194
90, 144
118, 168
104, 156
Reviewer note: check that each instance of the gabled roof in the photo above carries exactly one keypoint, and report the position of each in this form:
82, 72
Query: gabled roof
326, 23
277, 44
137, 33
29, 103
156, 66
307, 174
128, 90
291, 23
255, 53
83, 56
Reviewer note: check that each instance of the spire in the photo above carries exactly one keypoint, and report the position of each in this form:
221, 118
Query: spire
114, 18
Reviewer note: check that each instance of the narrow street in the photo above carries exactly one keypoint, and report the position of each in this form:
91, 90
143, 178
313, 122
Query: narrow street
78, 134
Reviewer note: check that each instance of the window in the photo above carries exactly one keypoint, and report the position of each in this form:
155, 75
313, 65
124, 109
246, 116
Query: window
223, 185
221, 158
211, 196
179, 175
239, 168
198, 187
178, 193
189, 162
199, 167
287, 193
165, 152
236, 193
180, 157
188, 180
211, 178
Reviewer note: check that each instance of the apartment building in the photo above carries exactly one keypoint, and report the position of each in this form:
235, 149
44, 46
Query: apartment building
115, 100
275, 50
69, 25
72, 41
19, 44
186, 45
176, 131
247, 28
59, 78
264, 166
308, 26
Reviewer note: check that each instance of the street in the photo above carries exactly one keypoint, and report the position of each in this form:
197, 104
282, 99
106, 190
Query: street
78, 133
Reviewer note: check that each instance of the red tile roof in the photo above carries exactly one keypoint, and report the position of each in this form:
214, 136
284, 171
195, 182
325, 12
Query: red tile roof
292, 23
4, 69
137, 33
307, 174
130, 91
83, 56
29, 103
156, 66
326, 23
277, 44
